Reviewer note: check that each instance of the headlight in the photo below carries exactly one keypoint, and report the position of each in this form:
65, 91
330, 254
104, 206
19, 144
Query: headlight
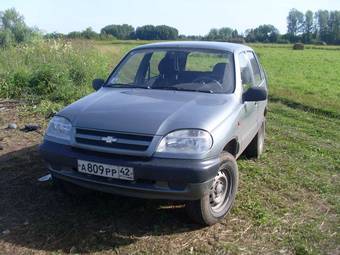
187, 141
59, 128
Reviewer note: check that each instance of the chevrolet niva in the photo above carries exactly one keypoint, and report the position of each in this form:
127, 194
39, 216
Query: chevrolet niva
168, 123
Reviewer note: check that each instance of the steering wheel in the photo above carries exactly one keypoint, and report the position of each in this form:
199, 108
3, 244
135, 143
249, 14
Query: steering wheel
206, 80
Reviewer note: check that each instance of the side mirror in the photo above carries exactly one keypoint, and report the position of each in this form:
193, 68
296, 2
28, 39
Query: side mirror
255, 94
97, 83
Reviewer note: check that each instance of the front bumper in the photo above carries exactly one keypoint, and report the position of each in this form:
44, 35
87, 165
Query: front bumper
155, 178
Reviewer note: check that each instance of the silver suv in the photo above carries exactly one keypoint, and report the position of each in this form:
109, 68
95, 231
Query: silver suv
168, 123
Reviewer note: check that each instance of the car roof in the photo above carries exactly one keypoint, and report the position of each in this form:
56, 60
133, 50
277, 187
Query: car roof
224, 46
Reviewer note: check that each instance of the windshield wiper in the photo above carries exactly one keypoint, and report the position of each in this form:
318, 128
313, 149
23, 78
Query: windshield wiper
116, 85
204, 91
168, 88
190, 90
122, 85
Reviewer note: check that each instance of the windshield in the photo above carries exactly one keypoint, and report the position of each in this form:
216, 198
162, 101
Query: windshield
174, 69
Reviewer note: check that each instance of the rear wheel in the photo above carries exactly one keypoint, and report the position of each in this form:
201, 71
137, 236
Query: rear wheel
212, 208
256, 146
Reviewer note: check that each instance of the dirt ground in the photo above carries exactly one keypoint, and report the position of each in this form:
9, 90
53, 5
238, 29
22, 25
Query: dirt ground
37, 218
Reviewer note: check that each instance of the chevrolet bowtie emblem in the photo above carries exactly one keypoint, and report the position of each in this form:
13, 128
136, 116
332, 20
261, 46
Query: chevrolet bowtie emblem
109, 139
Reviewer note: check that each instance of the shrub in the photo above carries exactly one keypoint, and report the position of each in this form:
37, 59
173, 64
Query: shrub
20, 81
316, 42
107, 37
239, 40
55, 72
298, 46
282, 41
45, 79
6, 38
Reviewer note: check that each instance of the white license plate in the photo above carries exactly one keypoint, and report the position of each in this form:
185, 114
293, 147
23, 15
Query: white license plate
111, 171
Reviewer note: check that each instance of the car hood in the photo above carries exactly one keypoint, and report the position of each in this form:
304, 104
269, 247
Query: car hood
149, 111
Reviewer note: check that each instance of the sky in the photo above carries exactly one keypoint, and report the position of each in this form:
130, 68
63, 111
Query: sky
190, 17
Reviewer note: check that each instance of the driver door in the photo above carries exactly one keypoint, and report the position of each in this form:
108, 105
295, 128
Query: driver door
248, 119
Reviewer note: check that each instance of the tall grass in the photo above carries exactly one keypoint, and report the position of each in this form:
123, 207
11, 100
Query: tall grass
50, 74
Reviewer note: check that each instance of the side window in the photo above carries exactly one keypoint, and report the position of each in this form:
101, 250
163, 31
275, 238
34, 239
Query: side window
150, 71
256, 68
156, 57
246, 72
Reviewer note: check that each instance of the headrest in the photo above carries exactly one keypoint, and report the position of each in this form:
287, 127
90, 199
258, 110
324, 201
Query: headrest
219, 68
166, 66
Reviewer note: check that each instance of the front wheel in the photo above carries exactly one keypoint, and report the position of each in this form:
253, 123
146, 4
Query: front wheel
212, 207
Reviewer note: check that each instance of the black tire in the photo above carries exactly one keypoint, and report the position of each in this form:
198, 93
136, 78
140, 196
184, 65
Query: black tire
205, 211
70, 188
256, 146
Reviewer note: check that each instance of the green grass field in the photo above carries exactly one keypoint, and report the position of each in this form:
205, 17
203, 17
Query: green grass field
288, 201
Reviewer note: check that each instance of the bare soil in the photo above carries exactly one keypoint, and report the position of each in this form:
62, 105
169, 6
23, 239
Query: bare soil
272, 215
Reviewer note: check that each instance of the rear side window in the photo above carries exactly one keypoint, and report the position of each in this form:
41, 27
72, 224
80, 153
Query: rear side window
204, 61
246, 71
256, 68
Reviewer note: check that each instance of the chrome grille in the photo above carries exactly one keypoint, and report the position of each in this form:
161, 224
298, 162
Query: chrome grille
114, 140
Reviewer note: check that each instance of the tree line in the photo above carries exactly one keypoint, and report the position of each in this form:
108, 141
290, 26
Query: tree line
309, 27
320, 27
123, 32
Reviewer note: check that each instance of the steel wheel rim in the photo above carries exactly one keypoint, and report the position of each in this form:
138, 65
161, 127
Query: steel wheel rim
219, 192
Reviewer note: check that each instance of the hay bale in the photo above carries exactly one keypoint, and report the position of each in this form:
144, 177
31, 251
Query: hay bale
298, 46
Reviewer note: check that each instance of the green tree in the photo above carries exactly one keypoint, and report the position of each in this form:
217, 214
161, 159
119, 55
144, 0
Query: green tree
88, 33
150, 32
294, 24
122, 32
213, 34
54, 35
265, 33
334, 27
13, 27
74, 35
308, 27
166, 33
225, 33
147, 32
6, 37
222, 34
322, 18
234, 34
10, 19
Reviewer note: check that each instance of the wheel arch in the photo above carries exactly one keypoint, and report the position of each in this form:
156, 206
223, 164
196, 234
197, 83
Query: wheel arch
232, 146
